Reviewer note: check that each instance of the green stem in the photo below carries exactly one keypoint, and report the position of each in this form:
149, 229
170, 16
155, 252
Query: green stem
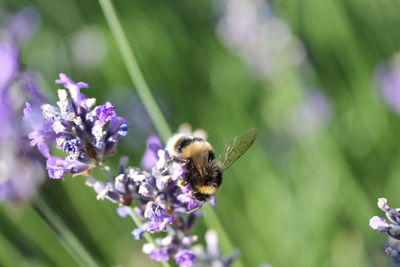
134, 70
151, 106
66, 237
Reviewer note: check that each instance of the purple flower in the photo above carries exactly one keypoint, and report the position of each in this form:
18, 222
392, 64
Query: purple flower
150, 157
387, 77
105, 113
36, 139
185, 257
9, 62
252, 30
27, 111
138, 233
311, 114
24, 23
56, 172
377, 223
87, 134
158, 218
123, 211
392, 230
20, 167
74, 90
159, 254
192, 203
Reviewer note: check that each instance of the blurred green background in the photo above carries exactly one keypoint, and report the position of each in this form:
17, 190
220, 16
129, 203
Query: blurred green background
303, 195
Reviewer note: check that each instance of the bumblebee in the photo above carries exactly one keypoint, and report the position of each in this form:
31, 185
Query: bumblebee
204, 170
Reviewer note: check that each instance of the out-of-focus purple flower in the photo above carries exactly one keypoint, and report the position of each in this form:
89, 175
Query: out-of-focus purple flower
388, 81
150, 157
211, 254
88, 46
21, 170
252, 30
24, 23
16, 28
159, 254
123, 211
9, 61
21, 185
392, 230
87, 135
311, 114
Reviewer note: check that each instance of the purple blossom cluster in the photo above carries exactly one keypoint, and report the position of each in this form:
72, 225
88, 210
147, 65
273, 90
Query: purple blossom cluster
392, 229
17, 85
86, 133
162, 200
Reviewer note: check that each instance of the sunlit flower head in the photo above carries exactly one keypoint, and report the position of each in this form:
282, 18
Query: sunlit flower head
86, 133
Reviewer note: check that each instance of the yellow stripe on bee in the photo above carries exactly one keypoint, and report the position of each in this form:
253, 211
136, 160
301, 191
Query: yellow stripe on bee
196, 147
207, 190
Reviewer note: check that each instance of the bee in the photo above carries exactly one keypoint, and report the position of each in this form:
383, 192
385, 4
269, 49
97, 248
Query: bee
203, 170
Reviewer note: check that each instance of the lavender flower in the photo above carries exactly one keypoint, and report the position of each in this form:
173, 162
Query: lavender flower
254, 32
88, 47
312, 113
392, 229
162, 200
87, 134
16, 86
388, 81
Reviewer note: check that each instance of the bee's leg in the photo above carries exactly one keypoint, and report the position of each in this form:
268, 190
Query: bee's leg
193, 210
180, 160
182, 183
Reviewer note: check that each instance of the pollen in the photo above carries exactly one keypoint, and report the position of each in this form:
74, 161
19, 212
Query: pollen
207, 190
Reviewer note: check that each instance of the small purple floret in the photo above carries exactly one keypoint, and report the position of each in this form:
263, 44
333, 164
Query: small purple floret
185, 257
123, 211
377, 222
74, 88
159, 254
27, 111
150, 157
105, 113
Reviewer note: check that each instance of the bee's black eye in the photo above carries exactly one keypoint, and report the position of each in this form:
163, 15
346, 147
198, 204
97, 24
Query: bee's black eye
211, 156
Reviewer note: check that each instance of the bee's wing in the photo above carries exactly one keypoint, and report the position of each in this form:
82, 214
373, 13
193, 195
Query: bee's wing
199, 161
236, 148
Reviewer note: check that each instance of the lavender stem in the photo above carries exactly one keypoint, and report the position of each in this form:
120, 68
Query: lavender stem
144, 91
134, 70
